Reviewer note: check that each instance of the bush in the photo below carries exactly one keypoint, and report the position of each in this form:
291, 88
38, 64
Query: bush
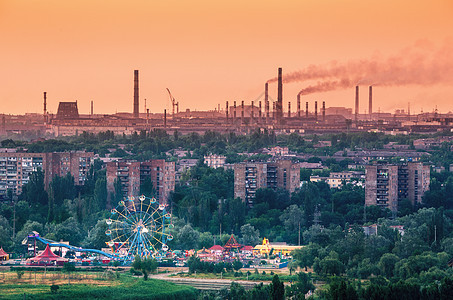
54, 288
19, 273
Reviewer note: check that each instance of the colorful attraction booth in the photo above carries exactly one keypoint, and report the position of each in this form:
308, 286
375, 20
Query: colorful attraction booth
46, 258
280, 249
3, 255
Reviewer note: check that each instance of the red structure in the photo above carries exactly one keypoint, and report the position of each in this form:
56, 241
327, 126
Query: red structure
46, 258
232, 244
3, 255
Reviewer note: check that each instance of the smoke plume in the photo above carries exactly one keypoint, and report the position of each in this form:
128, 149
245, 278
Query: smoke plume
422, 64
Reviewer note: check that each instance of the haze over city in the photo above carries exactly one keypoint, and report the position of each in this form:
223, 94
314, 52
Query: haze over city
209, 52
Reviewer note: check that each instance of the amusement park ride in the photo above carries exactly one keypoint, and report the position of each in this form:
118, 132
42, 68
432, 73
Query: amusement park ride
137, 226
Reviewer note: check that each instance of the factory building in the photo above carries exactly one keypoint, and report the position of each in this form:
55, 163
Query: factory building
131, 174
251, 176
15, 168
387, 184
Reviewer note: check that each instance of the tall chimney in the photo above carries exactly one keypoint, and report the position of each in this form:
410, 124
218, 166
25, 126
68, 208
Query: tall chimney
227, 111
280, 95
266, 99
259, 112
273, 110
91, 107
45, 107
242, 111
165, 118
234, 112
316, 110
370, 102
356, 102
147, 116
136, 109
298, 105
289, 109
251, 113
323, 111
306, 109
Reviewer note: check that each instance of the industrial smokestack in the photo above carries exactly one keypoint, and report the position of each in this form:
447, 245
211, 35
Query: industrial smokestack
136, 109
242, 111
226, 111
306, 109
234, 111
91, 107
298, 105
323, 111
316, 110
273, 110
370, 102
280, 95
165, 118
45, 107
147, 116
356, 102
251, 114
289, 109
259, 104
266, 99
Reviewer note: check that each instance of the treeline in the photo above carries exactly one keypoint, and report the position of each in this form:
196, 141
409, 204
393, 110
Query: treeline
418, 255
379, 288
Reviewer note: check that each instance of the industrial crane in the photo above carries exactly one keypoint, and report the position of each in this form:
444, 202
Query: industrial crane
173, 103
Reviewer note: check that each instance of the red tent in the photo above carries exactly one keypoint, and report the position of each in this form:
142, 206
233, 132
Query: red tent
232, 244
46, 258
3, 255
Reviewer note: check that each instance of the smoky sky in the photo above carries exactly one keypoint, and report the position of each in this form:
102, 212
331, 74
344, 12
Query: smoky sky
421, 64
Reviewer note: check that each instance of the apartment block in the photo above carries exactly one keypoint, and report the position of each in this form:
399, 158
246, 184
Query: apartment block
131, 174
15, 168
215, 161
251, 176
386, 185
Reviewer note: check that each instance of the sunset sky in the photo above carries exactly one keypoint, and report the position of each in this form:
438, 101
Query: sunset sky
207, 52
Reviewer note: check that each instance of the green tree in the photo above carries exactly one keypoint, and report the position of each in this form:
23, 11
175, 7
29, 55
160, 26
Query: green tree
188, 237
250, 235
146, 265
387, 264
305, 257
97, 238
100, 194
301, 286
206, 240
147, 187
237, 265
277, 289
33, 191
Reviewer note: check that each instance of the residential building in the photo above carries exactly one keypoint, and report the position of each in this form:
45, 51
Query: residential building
336, 179
279, 151
251, 176
131, 174
215, 161
387, 184
16, 167
183, 165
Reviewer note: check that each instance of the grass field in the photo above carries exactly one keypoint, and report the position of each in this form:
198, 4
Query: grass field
88, 285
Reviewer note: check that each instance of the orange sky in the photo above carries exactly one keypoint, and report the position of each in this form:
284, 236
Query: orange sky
206, 51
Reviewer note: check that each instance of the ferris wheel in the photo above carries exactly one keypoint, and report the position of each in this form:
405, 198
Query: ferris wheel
139, 228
